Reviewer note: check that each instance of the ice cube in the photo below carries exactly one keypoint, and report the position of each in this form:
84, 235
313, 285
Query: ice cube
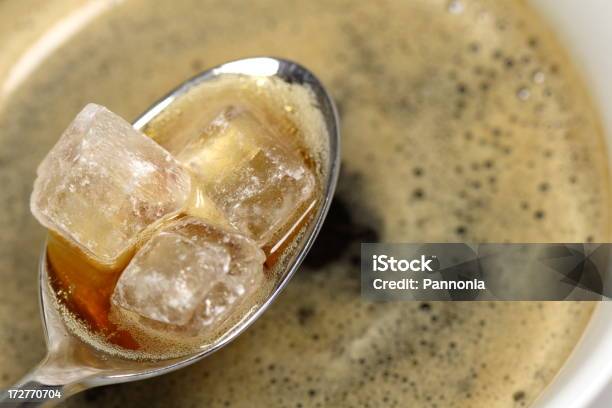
190, 275
104, 182
253, 176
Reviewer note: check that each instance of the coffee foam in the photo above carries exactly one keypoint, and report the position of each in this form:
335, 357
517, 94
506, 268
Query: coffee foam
409, 150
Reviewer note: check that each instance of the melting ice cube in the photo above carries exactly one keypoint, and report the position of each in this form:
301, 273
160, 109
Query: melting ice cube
104, 182
190, 275
254, 177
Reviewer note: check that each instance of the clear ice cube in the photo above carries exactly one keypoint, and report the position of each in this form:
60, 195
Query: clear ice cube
104, 182
253, 176
190, 275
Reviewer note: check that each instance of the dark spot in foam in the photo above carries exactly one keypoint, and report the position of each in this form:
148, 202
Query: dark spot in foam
339, 231
554, 68
425, 306
518, 396
197, 65
304, 314
355, 260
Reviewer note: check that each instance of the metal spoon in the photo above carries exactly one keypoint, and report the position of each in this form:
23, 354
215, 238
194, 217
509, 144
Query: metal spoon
71, 365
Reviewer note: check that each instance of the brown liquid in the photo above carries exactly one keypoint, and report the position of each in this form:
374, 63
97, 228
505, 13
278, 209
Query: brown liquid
84, 288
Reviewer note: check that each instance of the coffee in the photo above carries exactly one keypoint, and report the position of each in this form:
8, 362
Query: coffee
461, 120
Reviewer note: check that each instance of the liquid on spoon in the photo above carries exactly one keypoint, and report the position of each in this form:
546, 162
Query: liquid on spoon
199, 233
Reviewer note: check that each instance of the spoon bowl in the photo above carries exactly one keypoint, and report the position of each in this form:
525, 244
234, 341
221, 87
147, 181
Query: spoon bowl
72, 365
